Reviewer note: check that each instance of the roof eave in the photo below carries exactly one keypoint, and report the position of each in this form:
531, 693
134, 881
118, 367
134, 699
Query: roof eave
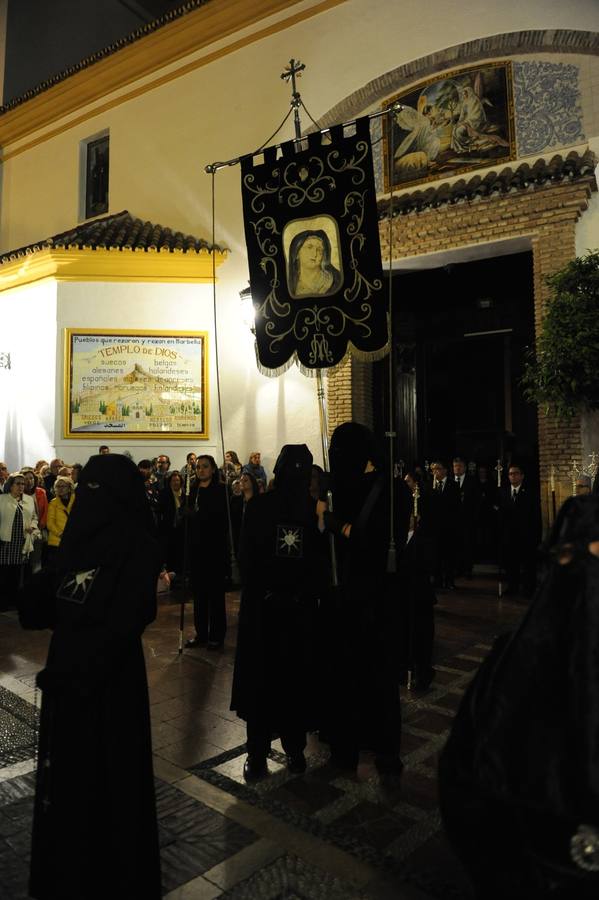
125, 265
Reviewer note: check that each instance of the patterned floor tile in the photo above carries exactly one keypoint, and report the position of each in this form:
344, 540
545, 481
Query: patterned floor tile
290, 878
17, 728
193, 838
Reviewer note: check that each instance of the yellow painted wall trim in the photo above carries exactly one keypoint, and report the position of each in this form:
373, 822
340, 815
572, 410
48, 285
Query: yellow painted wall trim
109, 265
169, 44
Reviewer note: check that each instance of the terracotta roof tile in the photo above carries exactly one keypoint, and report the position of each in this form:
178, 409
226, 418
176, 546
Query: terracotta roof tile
121, 231
523, 177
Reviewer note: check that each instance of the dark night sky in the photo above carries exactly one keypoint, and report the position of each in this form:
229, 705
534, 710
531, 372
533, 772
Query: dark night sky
43, 38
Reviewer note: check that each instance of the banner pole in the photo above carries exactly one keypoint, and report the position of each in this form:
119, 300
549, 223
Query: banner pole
324, 436
295, 68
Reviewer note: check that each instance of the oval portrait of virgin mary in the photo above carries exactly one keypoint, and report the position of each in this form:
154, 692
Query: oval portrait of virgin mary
312, 255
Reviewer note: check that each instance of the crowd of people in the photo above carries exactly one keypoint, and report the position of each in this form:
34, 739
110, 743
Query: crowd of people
36, 502
473, 517
324, 641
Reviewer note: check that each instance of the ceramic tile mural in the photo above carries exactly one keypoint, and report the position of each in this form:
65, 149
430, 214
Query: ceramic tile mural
547, 102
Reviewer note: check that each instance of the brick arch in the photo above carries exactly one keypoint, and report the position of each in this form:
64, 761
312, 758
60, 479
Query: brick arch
514, 43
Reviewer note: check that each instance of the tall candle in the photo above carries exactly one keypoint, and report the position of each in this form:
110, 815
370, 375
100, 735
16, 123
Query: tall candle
552, 479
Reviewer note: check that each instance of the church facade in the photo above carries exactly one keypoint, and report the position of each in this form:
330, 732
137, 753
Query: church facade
491, 151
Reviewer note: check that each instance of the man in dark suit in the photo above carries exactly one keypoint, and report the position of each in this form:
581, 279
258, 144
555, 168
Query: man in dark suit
520, 532
444, 509
467, 517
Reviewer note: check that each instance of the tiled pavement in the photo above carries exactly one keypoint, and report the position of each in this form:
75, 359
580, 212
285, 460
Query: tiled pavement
321, 835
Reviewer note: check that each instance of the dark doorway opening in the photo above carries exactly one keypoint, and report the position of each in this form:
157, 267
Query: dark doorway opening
460, 333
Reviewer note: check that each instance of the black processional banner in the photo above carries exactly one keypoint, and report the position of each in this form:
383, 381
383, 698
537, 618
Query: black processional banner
312, 237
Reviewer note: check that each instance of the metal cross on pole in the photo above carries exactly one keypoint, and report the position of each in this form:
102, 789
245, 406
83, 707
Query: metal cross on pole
499, 470
295, 68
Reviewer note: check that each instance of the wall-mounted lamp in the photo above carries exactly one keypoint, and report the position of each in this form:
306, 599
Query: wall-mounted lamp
4, 360
248, 313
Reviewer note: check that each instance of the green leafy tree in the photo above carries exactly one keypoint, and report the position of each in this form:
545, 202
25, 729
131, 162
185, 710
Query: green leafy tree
563, 374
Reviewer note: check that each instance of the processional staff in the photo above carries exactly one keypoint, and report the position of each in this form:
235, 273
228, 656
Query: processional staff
592, 467
499, 470
574, 474
552, 484
185, 552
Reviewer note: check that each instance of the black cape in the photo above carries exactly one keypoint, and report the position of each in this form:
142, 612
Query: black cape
282, 569
520, 772
360, 697
94, 829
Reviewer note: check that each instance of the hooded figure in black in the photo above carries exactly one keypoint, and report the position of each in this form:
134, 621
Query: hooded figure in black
94, 828
281, 570
519, 777
361, 695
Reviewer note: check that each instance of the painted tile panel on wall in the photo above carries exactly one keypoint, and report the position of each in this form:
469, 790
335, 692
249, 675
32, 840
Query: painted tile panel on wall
547, 102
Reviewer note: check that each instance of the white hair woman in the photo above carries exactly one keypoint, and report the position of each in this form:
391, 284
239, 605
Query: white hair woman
18, 527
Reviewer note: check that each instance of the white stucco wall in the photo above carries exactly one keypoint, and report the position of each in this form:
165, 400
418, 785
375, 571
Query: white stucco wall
27, 395
290, 401
162, 139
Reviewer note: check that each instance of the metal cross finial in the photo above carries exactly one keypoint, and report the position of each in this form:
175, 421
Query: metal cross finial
294, 68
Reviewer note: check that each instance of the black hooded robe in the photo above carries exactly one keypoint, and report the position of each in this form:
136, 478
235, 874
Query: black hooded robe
360, 697
94, 830
282, 569
519, 775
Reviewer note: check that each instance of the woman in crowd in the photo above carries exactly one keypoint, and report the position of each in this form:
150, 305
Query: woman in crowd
208, 555
519, 776
171, 504
32, 489
40, 500
231, 469
59, 510
248, 488
94, 825
254, 467
18, 530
